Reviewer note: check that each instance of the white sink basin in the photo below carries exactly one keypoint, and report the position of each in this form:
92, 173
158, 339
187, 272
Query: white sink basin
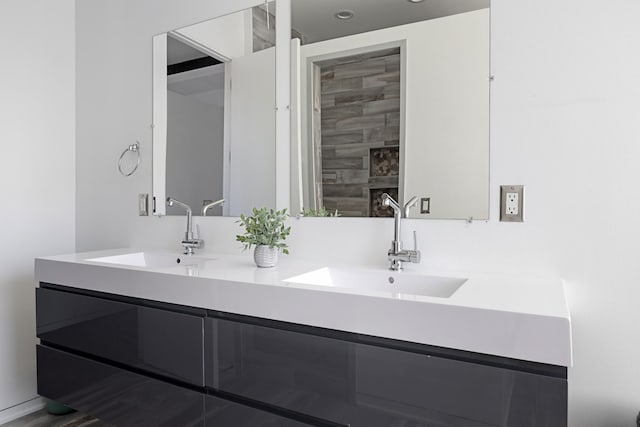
152, 259
395, 284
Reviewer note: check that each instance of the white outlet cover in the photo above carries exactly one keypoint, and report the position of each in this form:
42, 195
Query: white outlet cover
512, 203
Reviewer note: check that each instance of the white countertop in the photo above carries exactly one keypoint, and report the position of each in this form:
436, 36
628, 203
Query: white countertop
516, 317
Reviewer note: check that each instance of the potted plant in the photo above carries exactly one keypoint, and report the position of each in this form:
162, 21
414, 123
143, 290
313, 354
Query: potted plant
265, 229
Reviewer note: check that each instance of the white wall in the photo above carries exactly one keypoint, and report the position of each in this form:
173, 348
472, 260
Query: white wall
446, 153
252, 178
37, 177
564, 122
194, 150
230, 35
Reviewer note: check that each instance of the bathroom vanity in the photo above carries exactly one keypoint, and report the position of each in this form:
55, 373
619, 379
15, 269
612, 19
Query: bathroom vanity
148, 338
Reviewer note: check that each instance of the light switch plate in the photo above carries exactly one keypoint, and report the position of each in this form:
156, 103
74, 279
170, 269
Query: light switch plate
512, 203
143, 204
425, 205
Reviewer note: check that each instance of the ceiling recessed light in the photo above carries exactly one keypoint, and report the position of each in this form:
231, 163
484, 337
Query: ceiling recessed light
344, 14
415, 1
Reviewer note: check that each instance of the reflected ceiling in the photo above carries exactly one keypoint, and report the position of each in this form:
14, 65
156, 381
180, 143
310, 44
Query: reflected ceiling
310, 17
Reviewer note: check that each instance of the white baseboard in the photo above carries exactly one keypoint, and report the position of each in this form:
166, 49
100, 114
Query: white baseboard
21, 410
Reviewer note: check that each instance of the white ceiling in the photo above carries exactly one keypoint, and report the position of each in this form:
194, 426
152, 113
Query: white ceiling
315, 18
316, 21
178, 52
205, 84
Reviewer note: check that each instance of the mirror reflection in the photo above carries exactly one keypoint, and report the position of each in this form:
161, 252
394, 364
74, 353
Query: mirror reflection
390, 96
214, 119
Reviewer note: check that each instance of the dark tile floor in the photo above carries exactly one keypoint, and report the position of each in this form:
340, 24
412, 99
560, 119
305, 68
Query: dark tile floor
43, 419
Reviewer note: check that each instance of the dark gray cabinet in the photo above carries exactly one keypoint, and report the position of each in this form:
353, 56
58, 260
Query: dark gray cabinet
127, 399
137, 362
116, 395
223, 413
345, 379
153, 340
132, 362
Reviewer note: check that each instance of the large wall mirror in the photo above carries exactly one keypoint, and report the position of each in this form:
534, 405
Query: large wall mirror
214, 113
390, 96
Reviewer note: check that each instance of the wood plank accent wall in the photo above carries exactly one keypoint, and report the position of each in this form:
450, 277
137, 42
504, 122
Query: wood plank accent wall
360, 112
264, 36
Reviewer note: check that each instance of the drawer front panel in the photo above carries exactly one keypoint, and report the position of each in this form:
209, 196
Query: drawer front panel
154, 340
115, 395
223, 413
364, 385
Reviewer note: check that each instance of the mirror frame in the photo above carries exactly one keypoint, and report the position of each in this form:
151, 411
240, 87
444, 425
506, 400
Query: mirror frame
159, 141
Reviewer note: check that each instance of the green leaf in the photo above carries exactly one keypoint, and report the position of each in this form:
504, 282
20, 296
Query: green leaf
264, 227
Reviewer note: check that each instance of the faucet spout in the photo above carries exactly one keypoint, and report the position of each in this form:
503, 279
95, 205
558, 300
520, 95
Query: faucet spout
387, 200
407, 206
189, 242
171, 202
396, 254
205, 208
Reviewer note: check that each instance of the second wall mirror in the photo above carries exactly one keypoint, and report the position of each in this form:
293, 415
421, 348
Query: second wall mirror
390, 96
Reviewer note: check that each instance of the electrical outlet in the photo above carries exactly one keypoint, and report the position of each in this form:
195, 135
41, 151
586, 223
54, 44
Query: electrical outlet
512, 203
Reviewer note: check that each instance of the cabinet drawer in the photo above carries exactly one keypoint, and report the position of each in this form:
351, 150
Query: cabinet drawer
223, 413
159, 341
115, 395
359, 384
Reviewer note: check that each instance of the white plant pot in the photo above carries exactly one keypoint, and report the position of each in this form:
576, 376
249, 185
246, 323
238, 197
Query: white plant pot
264, 256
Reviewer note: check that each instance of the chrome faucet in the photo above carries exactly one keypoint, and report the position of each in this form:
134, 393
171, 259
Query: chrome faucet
205, 208
189, 242
396, 254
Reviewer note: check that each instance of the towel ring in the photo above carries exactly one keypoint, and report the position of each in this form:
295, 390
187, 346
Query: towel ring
133, 148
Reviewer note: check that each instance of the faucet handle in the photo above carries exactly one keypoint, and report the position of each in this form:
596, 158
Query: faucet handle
414, 255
